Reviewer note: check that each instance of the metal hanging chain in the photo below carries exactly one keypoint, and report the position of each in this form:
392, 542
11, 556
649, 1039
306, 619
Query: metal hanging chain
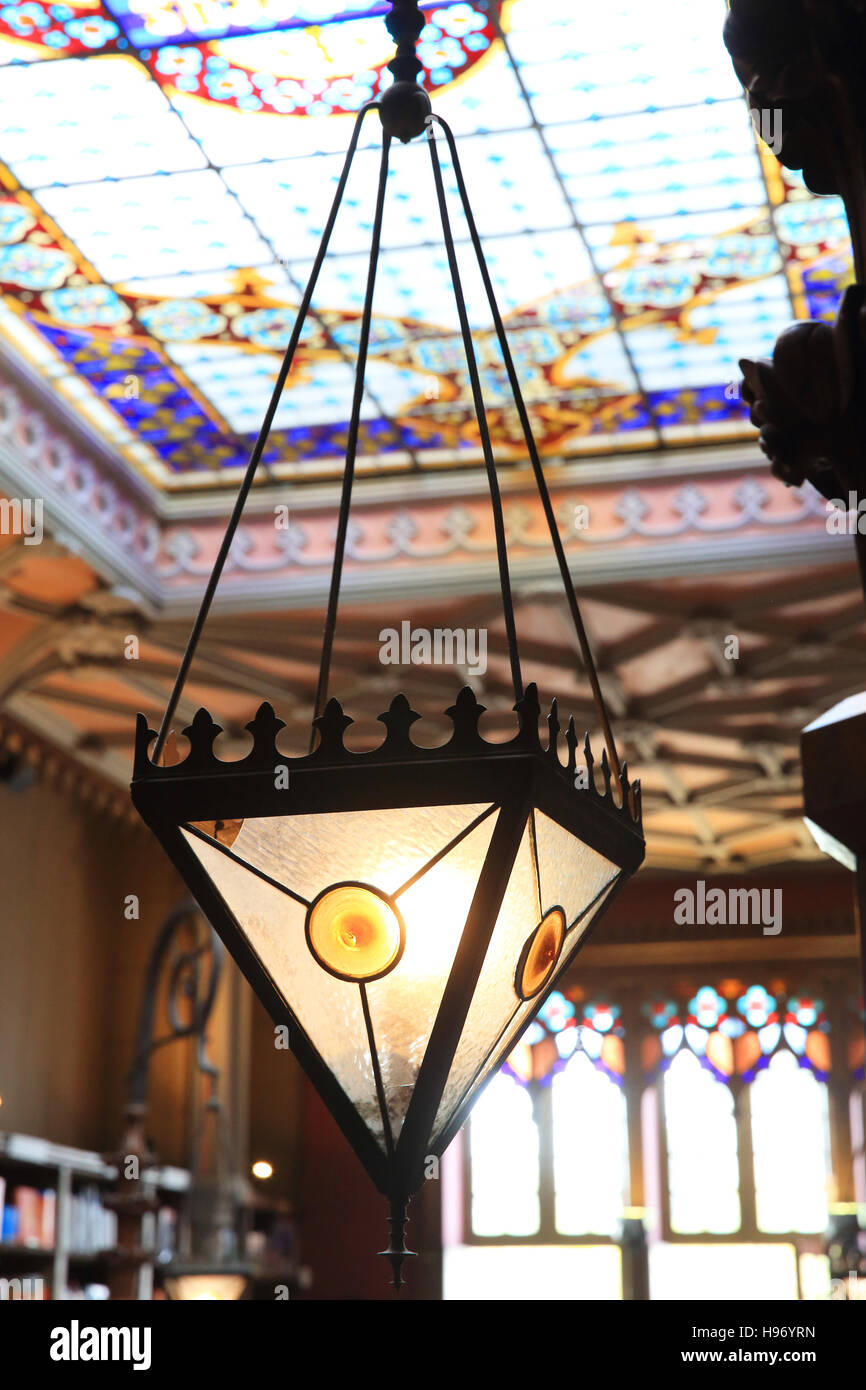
258, 449
352, 444
541, 481
481, 417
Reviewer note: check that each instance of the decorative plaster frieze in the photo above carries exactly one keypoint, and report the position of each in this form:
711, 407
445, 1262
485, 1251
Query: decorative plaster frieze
419, 539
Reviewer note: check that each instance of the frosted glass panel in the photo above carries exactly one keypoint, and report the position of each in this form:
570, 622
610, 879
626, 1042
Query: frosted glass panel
503, 1143
570, 873
590, 1150
385, 848
494, 1000
404, 1004
703, 1173
789, 1117
328, 1010
520, 1014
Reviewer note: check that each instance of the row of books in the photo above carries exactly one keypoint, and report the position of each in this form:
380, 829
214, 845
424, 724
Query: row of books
29, 1216
92, 1227
30, 1219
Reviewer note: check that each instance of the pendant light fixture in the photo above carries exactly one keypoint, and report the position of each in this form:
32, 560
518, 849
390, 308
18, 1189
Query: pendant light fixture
404, 911
209, 1265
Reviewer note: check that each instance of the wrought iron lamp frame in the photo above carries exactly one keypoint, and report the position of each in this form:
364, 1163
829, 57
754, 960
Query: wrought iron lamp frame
510, 778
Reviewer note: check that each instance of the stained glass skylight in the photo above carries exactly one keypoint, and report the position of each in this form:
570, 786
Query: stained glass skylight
165, 170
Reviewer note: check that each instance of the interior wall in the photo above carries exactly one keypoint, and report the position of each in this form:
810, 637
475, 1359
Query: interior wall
275, 1105
71, 968
344, 1222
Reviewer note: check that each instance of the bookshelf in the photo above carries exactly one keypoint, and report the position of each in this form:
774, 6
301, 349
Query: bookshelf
57, 1233
67, 1242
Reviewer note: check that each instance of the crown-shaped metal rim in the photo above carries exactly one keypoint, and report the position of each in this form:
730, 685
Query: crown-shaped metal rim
397, 745
399, 772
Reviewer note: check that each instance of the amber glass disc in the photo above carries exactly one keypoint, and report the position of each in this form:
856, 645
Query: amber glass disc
355, 932
540, 954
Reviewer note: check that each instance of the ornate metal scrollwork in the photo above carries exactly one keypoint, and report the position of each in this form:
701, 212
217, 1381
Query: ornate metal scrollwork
194, 968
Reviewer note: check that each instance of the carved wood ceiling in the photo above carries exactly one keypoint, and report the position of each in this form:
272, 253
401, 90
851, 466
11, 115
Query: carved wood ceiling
714, 739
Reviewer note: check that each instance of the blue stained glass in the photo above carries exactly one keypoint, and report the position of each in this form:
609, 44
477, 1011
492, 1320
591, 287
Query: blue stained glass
756, 1006
671, 1040
795, 1037
601, 1015
696, 1038
732, 1027
556, 1012
769, 1037
634, 251
707, 1007
823, 285
660, 1012
806, 1011
149, 23
567, 1041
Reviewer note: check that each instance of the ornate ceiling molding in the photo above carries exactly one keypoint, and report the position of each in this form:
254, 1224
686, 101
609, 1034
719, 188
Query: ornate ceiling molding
713, 515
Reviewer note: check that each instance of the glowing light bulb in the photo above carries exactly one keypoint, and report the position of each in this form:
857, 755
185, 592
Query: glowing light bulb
435, 918
355, 931
540, 954
262, 1169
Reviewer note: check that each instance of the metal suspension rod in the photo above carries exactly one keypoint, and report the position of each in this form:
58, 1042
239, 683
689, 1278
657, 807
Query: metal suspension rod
481, 416
352, 443
541, 481
258, 448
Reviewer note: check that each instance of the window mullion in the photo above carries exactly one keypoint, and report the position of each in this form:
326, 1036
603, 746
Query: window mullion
838, 1100
745, 1160
542, 1104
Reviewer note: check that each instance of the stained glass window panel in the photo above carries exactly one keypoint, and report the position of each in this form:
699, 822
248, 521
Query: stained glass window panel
89, 121
161, 225
790, 1142
590, 1150
503, 1144
637, 249
703, 1174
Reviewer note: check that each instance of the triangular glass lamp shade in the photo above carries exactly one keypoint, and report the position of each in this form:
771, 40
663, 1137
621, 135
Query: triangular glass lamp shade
545, 876
405, 912
386, 849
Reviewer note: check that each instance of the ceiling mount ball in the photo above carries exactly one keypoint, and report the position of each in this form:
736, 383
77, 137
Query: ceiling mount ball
404, 109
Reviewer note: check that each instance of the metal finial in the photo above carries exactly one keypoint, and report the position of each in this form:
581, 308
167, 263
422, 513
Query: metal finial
405, 106
404, 24
397, 1250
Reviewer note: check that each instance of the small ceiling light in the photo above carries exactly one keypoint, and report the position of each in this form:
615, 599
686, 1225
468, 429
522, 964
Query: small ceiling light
262, 1169
404, 911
